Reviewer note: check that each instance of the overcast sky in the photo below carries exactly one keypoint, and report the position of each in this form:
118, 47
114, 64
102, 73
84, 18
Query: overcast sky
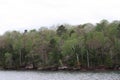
29, 14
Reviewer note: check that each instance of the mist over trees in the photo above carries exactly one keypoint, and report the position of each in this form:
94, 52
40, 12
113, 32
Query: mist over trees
84, 45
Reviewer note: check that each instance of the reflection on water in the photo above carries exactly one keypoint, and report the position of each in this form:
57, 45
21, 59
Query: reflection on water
38, 75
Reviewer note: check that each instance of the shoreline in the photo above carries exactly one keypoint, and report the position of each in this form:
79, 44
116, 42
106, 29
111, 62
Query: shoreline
56, 69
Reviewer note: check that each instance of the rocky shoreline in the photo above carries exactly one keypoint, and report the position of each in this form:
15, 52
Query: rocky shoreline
65, 68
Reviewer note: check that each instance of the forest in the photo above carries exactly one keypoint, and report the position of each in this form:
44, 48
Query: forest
89, 46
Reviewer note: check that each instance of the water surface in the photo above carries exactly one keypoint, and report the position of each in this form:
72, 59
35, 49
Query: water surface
60, 75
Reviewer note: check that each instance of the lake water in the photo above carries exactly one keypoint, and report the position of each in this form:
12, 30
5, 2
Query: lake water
44, 75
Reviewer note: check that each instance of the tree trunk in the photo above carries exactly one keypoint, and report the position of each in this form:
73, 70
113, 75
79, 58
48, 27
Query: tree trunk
20, 56
77, 58
88, 63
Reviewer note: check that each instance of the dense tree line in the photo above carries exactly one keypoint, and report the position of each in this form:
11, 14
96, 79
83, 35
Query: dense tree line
84, 45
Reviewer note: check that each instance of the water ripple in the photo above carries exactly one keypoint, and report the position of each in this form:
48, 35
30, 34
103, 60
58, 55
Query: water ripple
37, 75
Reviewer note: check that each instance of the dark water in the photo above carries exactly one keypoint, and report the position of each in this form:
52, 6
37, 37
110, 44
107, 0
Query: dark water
43, 75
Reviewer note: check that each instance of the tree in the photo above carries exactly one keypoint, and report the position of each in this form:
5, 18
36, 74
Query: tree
61, 30
8, 60
54, 53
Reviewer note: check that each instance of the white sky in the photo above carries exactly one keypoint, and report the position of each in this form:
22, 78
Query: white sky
29, 14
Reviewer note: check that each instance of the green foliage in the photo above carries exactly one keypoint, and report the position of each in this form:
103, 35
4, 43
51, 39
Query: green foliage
84, 45
8, 59
61, 30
